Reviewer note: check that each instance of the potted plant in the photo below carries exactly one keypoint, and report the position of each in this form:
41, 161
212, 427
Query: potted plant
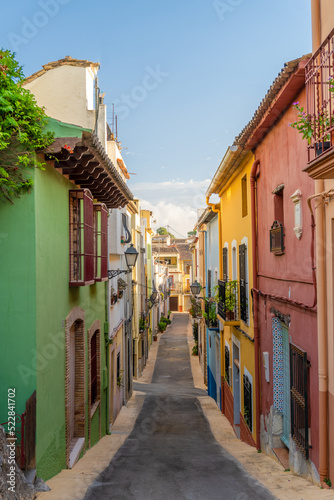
142, 324
231, 288
212, 315
313, 127
121, 284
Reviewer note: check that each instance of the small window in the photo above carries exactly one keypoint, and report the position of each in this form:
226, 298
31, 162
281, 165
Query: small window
244, 195
81, 237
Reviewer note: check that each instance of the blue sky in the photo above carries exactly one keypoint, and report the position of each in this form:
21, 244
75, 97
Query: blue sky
186, 76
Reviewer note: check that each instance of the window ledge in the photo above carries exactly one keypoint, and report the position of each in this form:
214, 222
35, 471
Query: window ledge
94, 408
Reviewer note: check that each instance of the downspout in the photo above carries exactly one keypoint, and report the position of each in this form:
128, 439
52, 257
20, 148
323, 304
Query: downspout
253, 178
321, 290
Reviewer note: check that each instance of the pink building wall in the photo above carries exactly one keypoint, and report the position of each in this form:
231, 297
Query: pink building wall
282, 155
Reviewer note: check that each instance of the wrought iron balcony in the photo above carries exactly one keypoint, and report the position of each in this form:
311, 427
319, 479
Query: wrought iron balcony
211, 319
228, 305
320, 98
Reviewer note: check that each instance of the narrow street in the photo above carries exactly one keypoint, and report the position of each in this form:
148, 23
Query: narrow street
171, 452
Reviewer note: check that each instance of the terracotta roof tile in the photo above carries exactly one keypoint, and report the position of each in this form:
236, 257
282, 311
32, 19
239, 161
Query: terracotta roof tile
66, 61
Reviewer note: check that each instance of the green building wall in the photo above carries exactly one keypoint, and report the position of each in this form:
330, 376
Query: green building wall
17, 304
55, 299
35, 301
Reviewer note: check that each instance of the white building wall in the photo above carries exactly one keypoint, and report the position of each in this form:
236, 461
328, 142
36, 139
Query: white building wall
67, 94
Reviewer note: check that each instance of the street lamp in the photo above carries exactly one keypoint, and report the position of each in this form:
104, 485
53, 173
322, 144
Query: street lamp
154, 295
195, 288
131, 256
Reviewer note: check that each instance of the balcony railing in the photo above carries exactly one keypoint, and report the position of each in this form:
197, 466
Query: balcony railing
211, 318
228, 305
320, 98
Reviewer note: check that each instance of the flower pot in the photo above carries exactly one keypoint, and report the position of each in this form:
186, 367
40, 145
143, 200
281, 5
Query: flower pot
229, 315
321, 147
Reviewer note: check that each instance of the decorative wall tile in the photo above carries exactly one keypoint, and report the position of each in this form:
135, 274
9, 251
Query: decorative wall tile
277, 363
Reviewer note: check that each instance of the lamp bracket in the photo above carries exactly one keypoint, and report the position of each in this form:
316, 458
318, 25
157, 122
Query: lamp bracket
116, 272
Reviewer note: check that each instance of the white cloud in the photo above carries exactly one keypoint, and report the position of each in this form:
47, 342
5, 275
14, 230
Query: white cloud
173, 203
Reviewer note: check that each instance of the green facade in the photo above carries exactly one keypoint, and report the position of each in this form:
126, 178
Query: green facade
36, 299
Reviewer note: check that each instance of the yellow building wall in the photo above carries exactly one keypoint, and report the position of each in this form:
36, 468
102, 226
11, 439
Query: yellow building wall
237, 228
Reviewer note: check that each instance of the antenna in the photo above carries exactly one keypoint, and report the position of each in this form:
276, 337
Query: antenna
116, 126
113, 119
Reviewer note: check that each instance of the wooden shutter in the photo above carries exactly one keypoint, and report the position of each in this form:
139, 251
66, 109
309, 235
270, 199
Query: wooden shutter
208, 285
81, 237
225, 273
242, 278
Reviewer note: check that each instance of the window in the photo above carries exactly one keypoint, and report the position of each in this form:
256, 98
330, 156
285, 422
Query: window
278, 206
277, 229
248, 415
93, 368
118, 369
225, 264
81, 237
227, 365
208, 285
277, 238
299, 398
126, 235
244, 195
101, 241
243, 283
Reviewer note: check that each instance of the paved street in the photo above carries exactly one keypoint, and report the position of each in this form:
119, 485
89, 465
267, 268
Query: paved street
162, 437
171, 452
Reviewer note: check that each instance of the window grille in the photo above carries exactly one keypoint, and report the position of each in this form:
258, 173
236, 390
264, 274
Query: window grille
248, 412
81, 226
277, 238
227, 365
221, 303
299, 398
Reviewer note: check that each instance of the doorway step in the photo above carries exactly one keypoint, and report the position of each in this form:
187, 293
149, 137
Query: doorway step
236, 428
282, 455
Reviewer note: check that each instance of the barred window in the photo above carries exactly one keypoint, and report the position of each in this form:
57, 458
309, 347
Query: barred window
81, 246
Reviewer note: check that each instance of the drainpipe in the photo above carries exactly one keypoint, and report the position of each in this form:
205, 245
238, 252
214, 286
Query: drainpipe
321, 290
253, 178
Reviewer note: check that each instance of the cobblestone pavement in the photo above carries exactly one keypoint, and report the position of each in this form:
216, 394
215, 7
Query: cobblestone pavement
171, 442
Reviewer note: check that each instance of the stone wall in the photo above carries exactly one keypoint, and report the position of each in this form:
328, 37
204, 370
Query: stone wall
11, 476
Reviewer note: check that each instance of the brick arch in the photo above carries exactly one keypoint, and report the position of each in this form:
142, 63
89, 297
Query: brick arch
75, 326
95, 328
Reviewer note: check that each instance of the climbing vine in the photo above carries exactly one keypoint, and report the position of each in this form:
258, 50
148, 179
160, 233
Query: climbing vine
21, 130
